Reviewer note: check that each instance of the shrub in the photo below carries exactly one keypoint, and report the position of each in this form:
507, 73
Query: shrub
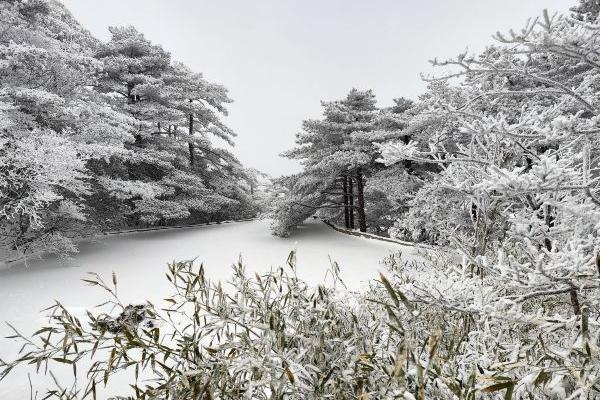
272, 336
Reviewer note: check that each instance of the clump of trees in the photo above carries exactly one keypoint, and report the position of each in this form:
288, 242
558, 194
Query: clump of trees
339, 153
507, 145
98, 136
518, 152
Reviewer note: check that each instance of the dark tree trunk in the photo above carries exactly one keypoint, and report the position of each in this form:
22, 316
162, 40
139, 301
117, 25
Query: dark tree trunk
549, 220
408, 164
131, 98
346, 209
191, 144
575, 302
362, 222
191, 148
351, 201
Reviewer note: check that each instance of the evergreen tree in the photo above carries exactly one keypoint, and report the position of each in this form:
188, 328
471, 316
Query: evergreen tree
518, 193
98, 136
587, 10
177, 112
53, 125
338, 153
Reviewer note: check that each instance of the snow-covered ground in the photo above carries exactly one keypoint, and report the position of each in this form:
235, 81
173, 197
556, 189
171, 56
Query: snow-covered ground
140, 259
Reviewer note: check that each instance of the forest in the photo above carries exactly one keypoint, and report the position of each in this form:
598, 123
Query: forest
104, 136
494, 170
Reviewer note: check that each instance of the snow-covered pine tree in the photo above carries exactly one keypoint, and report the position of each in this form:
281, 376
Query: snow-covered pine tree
82, 137
53, 125
175, 172
336, 153
587, 10
390, 190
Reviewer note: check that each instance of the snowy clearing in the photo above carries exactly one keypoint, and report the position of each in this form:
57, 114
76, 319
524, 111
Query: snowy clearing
139, 260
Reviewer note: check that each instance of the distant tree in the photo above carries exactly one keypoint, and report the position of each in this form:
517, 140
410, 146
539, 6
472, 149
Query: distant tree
389, 189
177, 112
336, 152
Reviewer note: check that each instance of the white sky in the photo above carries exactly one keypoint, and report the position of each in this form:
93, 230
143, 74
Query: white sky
279, 58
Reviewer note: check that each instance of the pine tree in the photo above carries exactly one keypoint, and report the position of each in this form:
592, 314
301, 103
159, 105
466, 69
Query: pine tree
336, 152
587, 10
164, 96
92, 134
53, 126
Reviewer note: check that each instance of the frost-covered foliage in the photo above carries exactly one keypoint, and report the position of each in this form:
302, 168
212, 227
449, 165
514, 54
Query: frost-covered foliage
518, 151
52, 124
272, 336
500, 341
506, 143
516, 138
266, 336
81, 146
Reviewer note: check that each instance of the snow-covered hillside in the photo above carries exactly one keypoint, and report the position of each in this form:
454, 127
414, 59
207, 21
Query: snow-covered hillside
139, 260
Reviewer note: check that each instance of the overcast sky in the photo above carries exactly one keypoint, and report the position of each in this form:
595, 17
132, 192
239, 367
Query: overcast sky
279, 58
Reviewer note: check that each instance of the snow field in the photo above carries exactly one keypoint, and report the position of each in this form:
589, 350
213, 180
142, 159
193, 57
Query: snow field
139, 261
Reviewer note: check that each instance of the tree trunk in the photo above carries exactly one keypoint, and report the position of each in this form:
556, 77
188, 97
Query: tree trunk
191, 148
191, 144
351, 201
408, 164
346, 209
362, 222
549, 220
575, 302
131, 98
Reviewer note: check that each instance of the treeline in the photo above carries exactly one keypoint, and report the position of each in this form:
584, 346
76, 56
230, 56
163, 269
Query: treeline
98, 136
